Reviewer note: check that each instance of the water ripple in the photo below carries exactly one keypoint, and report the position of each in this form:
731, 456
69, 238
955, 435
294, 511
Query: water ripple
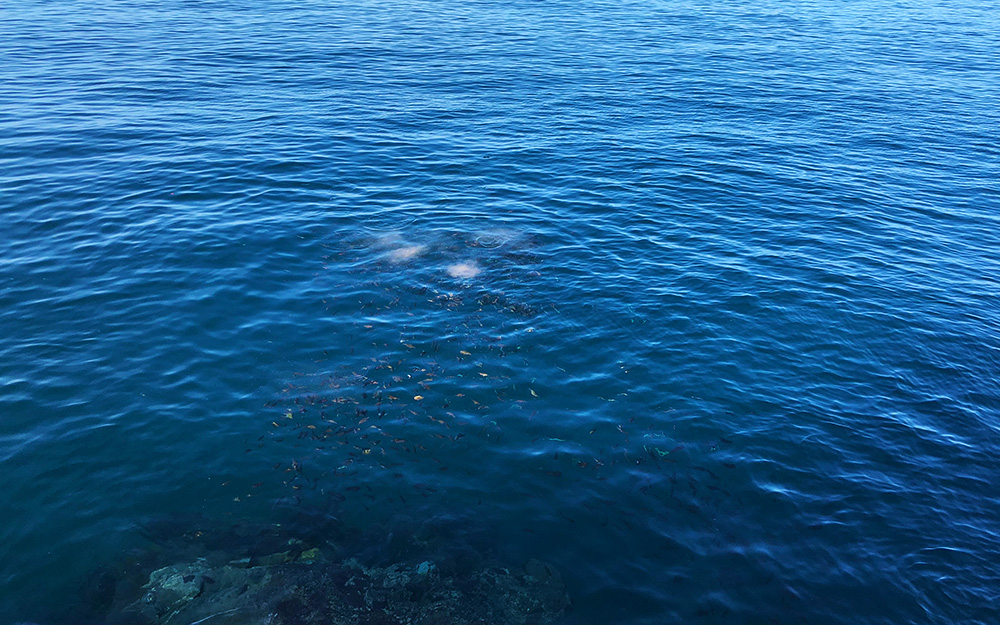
697, 303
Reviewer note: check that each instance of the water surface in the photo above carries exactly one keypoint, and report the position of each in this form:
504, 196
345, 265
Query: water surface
695, 301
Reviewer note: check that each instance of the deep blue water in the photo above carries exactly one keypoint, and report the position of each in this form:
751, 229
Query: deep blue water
697, 301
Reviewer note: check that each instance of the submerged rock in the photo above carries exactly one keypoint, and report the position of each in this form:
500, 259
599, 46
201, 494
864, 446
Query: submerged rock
401, 594
435, 571
348, 592
309, 555
192, 592
172, 587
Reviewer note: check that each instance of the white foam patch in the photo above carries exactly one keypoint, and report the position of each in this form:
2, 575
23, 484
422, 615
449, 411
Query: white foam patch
463, 270
386, 240
403, 254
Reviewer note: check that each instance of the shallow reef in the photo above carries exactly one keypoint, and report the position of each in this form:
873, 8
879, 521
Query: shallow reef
263, 575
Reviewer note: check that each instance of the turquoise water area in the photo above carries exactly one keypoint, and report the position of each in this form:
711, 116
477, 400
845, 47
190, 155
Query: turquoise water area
696, 302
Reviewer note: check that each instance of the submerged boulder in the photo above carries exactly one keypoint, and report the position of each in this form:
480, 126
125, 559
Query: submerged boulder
171, 588
194, 593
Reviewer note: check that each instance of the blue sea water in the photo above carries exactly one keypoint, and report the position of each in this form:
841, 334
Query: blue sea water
697, 301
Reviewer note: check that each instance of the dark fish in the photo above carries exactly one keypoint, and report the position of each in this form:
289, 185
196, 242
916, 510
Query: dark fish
713, 475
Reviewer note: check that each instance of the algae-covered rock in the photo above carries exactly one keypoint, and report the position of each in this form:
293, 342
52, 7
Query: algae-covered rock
536, 595
347, 593
309, 555
273, 559
193, 592
431, 582
425, 568
172, 587
402, 593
